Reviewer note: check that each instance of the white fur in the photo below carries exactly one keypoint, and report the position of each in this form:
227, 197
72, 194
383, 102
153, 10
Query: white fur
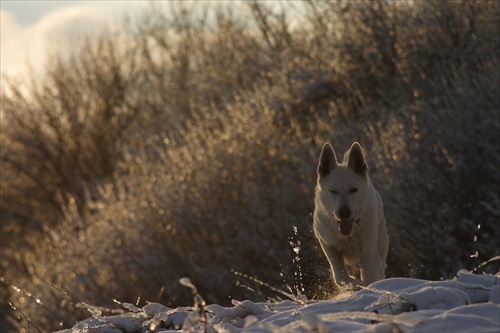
347, 186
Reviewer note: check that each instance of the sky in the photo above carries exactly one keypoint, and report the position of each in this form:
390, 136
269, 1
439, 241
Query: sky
29, 29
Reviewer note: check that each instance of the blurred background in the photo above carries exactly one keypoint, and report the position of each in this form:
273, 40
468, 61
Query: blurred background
149, 142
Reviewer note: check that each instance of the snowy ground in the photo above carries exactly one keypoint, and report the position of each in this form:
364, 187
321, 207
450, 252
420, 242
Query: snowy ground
469, 304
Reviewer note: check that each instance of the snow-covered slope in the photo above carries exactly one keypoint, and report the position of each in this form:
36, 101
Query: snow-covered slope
469, 304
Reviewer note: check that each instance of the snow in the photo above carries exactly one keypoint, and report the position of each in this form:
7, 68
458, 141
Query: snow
470, 303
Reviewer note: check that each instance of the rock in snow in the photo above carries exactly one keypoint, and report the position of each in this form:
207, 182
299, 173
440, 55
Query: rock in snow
467, 304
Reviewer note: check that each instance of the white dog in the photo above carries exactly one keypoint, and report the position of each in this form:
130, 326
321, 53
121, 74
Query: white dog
349, 218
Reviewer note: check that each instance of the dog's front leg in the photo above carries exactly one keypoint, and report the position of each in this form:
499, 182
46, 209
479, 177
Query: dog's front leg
339, 272
370, 263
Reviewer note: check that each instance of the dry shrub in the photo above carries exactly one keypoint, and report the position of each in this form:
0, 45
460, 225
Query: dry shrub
67, 129
211, 132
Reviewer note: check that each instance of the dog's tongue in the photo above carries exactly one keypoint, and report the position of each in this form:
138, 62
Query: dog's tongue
345, 227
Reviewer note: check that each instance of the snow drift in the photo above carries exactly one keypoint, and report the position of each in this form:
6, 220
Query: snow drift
470, 303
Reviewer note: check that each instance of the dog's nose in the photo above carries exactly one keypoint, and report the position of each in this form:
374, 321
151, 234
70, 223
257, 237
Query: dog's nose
344, 212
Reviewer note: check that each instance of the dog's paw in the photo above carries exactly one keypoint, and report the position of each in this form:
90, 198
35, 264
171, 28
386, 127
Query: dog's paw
350, 285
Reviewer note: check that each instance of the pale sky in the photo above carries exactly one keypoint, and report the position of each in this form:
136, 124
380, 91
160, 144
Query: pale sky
29, 28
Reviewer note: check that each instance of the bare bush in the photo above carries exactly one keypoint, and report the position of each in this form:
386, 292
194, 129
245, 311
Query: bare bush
67, 129
189, 148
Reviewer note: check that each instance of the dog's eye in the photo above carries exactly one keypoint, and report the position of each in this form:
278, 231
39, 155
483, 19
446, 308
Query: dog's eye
334, 191
353, 190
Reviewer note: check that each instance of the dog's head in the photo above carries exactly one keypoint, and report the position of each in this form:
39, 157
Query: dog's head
342, 186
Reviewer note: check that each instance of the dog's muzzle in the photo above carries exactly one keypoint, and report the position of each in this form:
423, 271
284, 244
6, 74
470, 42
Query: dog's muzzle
345, 226
345, 223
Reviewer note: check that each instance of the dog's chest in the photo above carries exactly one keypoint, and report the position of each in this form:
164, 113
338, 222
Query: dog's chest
349, 248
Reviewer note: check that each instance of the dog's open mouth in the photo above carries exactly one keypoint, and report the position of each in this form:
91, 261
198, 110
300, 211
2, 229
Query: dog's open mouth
345, 226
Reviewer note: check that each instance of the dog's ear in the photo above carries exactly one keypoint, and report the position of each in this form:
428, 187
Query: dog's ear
356, 160
327, 160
